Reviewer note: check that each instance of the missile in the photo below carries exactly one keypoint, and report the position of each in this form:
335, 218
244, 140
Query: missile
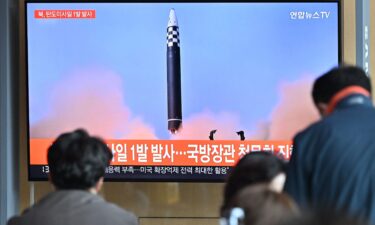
173, 74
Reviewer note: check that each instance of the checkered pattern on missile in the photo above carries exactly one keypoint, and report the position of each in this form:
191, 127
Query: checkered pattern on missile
173, 36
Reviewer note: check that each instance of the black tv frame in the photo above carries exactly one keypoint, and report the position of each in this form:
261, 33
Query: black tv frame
340, 60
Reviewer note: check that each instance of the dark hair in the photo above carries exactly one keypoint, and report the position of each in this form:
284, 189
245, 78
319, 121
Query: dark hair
325, 217
77, 160
253, 168
330, 83
262, 206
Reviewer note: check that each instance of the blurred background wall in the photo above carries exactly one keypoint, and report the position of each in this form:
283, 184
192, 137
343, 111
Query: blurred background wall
154, 203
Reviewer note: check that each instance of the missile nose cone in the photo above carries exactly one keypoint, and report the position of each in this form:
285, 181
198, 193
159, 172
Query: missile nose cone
172, 18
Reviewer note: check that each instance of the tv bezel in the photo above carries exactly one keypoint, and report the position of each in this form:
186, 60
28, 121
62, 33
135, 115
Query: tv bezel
340, 60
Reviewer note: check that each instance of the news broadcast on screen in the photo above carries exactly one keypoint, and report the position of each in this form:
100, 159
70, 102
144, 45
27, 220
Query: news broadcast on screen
179, 91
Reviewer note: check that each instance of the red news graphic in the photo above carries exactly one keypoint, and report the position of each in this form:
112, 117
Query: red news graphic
174, 153
65, 14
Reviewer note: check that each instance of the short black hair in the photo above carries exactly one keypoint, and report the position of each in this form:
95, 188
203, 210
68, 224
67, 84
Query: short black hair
330, 83
77, 160
326, 217
253, 168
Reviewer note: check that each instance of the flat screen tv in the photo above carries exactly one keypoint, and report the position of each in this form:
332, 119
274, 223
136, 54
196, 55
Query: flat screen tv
178, 90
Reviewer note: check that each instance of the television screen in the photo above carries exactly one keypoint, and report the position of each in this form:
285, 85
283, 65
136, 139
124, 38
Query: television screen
179, 91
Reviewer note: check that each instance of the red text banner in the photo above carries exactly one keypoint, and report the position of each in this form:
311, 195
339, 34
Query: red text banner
174, 152
65, 14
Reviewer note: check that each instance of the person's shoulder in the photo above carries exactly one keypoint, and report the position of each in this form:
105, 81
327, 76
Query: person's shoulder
16, 220
12, 221
120, 211
321, 127
112, 209
24, 217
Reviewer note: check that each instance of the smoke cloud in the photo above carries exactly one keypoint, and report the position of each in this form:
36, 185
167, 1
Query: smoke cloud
200, 124
91, 99
295, 110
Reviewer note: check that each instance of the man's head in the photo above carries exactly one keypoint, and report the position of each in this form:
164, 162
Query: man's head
78, 161
334, 81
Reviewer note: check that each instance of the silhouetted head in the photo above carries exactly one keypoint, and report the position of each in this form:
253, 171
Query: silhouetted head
259, 206
336, 80
241, 133
211, 136
324, 217
77, 160
255, 168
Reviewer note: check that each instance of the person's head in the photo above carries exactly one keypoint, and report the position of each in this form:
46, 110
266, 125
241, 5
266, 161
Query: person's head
255, 168
77, 161
324, 217
331, 83
258, 205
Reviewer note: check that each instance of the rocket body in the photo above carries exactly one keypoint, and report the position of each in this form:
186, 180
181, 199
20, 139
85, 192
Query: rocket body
173, 74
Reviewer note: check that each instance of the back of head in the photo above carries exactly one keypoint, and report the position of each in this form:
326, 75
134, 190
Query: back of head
324, 217
77, 160
262, 206
335, 80
253, 168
